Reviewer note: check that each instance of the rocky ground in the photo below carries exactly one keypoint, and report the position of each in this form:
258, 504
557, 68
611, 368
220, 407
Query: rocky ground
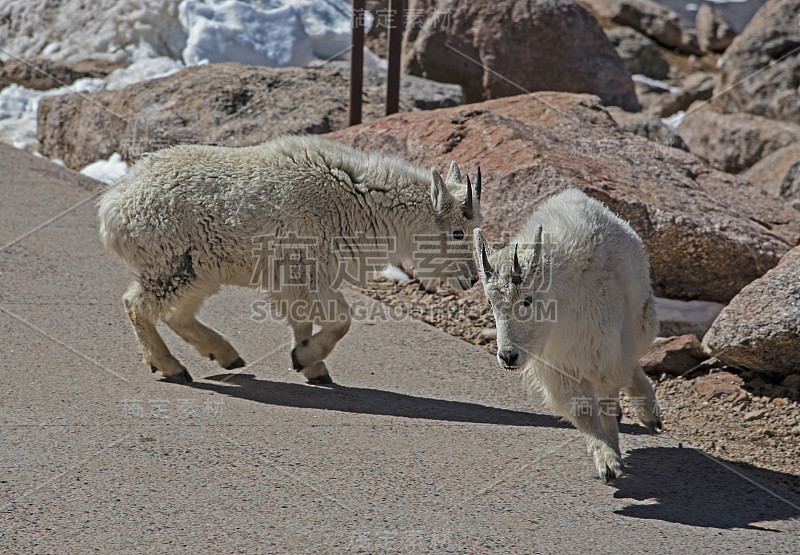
757, 428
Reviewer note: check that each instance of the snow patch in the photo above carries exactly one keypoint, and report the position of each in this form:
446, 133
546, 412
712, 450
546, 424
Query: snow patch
142, 70
273, 33
654, 83
674, 121
394, 273
107, 171
19, 106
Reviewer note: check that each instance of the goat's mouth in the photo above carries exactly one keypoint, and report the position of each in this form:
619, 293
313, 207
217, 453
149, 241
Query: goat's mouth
510, 368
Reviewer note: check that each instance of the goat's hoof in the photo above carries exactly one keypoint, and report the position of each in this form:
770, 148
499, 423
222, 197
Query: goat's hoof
611, 473
211, 356
238, 363
181, 378
655, 426
295, 362
153, 369
324, 379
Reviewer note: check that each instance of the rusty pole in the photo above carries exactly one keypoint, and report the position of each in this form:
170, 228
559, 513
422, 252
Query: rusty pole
395, 22
356, 60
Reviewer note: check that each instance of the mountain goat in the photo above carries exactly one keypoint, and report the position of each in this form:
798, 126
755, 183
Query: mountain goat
297, 216
574, 309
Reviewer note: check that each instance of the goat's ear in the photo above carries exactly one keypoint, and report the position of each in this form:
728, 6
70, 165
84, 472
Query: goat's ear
453, 174
483, 249
440, 196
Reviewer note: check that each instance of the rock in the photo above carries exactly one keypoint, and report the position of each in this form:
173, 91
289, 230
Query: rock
792, 381
724, 385
640, 54
759, 76
376, 39
700, 227
696, 87
673, 355
226, 104
714, 33
754, 415
685, 317
508, 47
733, 142
649, 127
760, 328
654, 20
779, 173
41, 74
423, 94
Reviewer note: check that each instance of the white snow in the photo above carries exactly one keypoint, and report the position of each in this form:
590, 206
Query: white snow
18, 107
274, 33
72, 30
654, 83
107, 171
394, 273
674, 121
142, 70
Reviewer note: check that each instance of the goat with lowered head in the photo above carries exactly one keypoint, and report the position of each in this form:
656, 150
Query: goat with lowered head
186, 221
574, 309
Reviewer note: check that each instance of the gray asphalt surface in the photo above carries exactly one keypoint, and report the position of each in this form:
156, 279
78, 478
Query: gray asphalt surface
424, 445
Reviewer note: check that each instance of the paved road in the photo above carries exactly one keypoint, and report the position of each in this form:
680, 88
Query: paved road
425, 445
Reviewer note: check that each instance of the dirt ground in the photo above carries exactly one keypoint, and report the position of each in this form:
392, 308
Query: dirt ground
761, 430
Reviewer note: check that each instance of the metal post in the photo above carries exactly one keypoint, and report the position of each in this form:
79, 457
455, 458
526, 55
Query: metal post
395, 21
356, 60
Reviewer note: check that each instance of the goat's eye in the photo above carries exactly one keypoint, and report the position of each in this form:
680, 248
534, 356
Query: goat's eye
527, 301
458, 234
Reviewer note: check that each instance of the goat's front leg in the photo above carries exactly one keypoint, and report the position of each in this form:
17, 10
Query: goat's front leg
583, 411
309, 353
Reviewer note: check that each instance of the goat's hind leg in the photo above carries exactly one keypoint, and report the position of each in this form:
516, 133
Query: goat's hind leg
316, 373
143, 312
182, 319
643, 400
334, 321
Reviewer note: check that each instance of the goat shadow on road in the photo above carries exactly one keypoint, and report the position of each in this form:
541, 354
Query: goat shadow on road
696, 489
376, 401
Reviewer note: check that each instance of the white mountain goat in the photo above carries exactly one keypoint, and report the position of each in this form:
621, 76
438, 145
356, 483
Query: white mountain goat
319, 213
574, 309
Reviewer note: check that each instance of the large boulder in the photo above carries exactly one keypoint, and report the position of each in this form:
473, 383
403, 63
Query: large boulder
779, 173
760, 328
714, 32
673, 355
41, 74
647, 126
654, 20
708, 234
227, 104
698, 86
508, 47
760, 67
640, 54
733, 142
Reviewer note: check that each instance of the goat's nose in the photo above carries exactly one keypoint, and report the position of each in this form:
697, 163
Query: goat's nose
508, 357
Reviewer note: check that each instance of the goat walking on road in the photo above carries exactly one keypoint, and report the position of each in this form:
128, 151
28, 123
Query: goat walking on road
574, 308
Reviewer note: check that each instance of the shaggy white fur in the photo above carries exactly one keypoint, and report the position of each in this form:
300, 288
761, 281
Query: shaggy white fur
574, 309
295, 216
